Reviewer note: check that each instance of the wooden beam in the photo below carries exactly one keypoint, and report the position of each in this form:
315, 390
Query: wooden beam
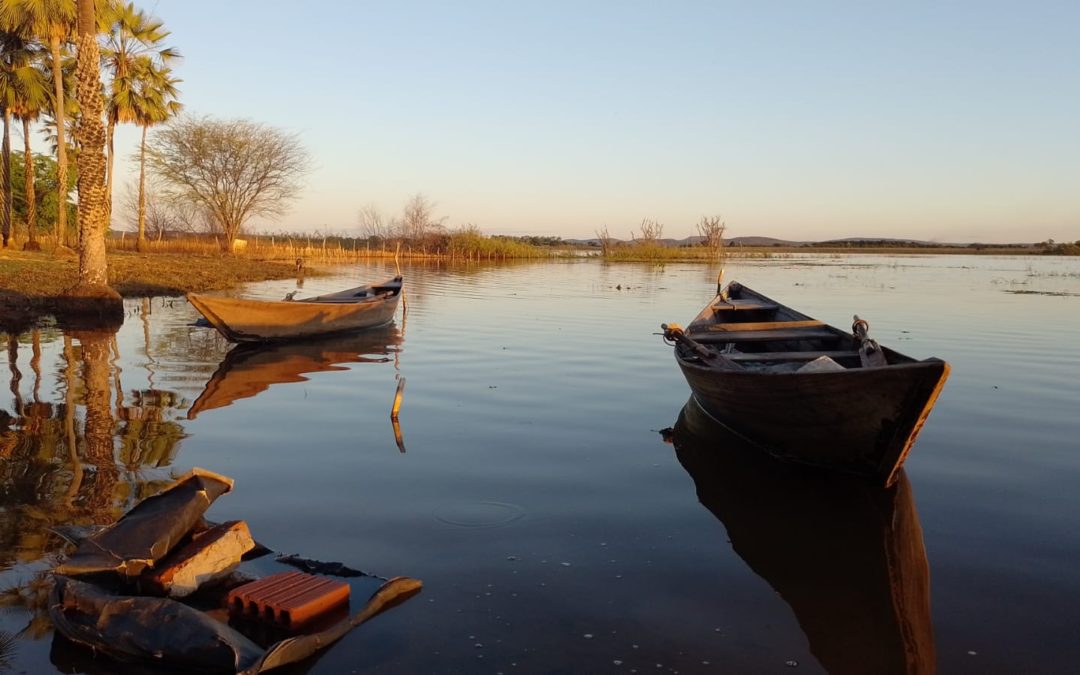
765, 335
764, 325
744, 306
790, 356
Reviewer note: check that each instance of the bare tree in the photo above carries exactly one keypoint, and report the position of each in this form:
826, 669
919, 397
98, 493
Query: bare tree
372, 225
418, 222
159, 217
235, 169
711, 229
167, 213
189, 216
650, 230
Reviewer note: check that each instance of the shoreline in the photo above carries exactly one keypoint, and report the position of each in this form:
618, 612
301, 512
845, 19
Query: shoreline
34, 284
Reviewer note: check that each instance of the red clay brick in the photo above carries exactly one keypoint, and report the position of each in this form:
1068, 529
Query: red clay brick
289, 599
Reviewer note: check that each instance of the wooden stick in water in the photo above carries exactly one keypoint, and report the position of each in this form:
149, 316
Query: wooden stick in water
397, 399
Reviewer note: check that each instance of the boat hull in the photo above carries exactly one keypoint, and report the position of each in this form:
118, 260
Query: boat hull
245, 320
861, 420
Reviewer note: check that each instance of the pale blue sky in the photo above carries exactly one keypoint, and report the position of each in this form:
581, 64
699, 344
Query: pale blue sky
949, 121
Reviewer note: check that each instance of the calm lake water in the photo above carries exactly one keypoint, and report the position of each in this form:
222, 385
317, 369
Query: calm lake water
553, 527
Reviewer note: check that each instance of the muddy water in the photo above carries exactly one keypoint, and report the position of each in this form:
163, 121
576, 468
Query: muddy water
554, 527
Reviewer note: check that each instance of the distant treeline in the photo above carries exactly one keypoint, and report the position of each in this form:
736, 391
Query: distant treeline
1049, 247
900, 243
469, 243
465, 244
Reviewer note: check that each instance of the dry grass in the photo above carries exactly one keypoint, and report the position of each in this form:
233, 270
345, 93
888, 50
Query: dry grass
33, 281
464, 245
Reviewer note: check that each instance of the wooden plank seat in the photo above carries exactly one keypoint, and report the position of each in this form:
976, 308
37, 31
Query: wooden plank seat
765, 335
791, 356
762, 325
745, 306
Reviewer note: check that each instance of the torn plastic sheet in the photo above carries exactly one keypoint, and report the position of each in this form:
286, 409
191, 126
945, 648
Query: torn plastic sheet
146, 533
134, 628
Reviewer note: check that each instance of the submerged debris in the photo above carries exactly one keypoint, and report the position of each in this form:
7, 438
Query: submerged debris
105, 596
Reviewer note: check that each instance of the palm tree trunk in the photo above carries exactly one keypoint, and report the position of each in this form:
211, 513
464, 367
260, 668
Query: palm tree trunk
93, 217
111, 128
5, 225
28, 182
141, 243
61, 142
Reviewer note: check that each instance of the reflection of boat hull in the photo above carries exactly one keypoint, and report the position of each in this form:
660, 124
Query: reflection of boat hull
244, 320
249, 369
848, 557
859, 418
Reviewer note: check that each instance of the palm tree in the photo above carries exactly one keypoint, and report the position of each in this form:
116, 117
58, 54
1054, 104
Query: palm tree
27, 113
24, 91
153, 101
51, 21
93, 215
132, 37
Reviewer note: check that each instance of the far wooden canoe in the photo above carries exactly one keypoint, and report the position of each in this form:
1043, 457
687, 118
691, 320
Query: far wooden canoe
246, 320
803, 390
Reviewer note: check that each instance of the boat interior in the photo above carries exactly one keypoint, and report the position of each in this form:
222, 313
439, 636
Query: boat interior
752, 331
384, 290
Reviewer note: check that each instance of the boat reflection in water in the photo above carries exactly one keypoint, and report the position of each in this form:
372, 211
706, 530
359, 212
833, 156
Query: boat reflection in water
249, 369
847, 556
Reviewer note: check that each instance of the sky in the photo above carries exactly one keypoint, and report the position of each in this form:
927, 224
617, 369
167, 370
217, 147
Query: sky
942, 121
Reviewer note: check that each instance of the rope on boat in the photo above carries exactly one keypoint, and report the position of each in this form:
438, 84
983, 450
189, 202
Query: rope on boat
673, 333
870, 353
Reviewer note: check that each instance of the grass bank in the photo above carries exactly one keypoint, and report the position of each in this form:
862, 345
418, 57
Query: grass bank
32, 282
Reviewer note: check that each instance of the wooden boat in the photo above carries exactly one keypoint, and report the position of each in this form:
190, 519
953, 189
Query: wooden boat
249, 369
803, 390
846, 556
244, 320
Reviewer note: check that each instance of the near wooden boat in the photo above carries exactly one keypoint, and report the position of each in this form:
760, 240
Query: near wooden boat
244, 320
803, 390
845, 555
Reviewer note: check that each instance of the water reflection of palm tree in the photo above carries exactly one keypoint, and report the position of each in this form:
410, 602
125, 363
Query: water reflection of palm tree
848, 557
43, 480
13, 366
60, 467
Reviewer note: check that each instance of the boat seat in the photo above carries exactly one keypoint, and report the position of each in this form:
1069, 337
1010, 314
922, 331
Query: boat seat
791, 356
723, 337
762, 325
745, 306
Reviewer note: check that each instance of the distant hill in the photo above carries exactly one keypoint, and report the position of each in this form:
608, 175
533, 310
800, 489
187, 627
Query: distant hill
884, 241
763, 241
